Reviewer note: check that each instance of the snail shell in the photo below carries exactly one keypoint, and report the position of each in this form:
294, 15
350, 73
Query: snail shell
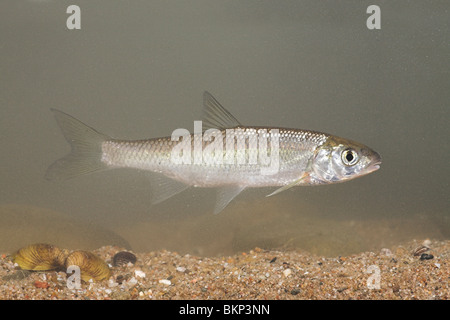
91, 266
40, 257
123, 257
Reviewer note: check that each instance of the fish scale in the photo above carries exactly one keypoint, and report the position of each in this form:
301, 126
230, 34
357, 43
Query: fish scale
296, 148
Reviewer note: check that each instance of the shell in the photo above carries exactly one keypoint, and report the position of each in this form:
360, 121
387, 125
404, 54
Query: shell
40, 257
91, 266
420, 250
123, 257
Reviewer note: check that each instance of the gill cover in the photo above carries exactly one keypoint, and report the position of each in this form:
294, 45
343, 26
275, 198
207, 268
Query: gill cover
338, 160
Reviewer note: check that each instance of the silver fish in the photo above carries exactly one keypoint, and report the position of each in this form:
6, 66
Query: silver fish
302, 157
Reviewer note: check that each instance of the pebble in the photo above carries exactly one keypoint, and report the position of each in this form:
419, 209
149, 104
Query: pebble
427, 243
426, 256
112, 283
121, 295
41, 284
295, 292
181, 269
165, 281
139, 274
287, 272
132, 282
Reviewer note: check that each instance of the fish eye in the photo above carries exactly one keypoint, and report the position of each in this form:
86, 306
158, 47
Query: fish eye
349, 157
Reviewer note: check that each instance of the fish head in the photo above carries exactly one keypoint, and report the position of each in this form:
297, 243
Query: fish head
338, 160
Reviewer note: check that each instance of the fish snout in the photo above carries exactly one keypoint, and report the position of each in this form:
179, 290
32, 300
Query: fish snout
375, 162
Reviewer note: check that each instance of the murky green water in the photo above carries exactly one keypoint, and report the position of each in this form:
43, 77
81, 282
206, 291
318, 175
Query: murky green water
137, 69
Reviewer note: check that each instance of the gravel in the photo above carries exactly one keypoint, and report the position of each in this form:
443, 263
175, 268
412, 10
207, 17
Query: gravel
391, 273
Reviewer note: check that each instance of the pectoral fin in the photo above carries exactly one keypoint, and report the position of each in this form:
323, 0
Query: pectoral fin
225, 195
288, 186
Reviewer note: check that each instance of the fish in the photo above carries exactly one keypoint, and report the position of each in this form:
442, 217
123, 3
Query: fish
254, 156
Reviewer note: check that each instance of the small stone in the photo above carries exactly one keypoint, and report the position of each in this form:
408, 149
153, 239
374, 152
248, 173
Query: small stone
395, 288
165, 281
427, 243
181, 269
112, 283
386, 252
41, 284
120, 279
295, 292
426, 256
133, 281
139, 274
287, 272
120, 295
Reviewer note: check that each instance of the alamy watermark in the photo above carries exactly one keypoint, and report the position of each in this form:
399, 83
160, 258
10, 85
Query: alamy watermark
373, 282
239, 146
374, 20
73, 22
74, 280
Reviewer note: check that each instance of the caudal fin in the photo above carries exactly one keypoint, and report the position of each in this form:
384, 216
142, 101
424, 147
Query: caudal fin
86, 145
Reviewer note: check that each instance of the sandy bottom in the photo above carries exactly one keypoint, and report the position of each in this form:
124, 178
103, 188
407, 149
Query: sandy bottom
390, 273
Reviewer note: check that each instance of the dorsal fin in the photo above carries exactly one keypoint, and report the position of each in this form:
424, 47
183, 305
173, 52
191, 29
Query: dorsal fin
215, 116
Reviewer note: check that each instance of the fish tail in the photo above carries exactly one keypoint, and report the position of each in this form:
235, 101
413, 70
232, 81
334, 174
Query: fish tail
86, 144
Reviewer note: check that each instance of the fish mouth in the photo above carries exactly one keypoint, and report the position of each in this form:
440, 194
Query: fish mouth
372, 167
375, 167
375, 163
